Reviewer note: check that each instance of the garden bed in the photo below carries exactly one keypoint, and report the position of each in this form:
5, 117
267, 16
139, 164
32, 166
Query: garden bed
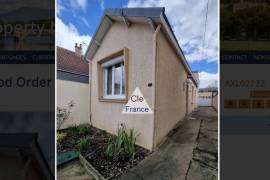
94, 151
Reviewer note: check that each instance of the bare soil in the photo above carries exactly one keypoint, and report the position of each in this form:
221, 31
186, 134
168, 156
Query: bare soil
95, 154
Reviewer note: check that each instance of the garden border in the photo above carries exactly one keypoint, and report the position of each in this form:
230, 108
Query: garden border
90, 169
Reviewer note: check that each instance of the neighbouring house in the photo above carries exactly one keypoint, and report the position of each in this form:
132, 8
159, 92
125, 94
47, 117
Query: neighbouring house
73, 85
195, 89
215, 101
208, 97
136, 47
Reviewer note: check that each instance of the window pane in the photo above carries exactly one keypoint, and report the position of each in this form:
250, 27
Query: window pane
123, 78
117, 79
109, 81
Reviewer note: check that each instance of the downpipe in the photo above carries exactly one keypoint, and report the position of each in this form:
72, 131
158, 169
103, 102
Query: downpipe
155, 84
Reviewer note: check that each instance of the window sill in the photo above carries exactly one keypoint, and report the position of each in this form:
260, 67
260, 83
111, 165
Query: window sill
113, 100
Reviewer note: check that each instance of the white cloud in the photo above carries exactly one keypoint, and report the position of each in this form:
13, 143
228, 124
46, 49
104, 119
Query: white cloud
60, 7
75, 5
82, 3
187, 19
68, 35
79, 4
84, 20
208, 79
102, 6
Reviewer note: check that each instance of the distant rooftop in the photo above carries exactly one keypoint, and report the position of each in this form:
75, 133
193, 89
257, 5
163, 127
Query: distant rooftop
68, 61
208, 89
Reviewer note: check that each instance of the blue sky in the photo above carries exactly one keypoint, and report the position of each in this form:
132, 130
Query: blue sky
77, 21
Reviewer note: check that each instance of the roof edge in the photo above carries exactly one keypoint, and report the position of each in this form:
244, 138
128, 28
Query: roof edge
158, 12
131, 12
165, 20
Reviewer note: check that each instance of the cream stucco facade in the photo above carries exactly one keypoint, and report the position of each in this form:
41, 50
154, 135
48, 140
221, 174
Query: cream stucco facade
155, 67
108, 115
77, 92
171, 95
215, 102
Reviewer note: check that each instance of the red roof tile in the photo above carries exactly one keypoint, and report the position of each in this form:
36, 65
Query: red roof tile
69, 61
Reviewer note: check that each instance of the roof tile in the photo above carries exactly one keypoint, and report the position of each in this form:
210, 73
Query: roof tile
68, 61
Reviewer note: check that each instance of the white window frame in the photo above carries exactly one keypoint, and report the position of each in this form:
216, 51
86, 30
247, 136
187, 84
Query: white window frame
105, 66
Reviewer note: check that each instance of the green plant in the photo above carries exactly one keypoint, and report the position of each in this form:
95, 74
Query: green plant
61, 136
78, 130
73, 129
63, 114
123, 145
83, 130
130, 144
84, 144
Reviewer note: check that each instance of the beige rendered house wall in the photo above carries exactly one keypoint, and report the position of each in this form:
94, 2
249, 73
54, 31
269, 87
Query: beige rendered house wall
138, 38
215, 102
79, 93
170, 93
190, 94
194, 95
196, 88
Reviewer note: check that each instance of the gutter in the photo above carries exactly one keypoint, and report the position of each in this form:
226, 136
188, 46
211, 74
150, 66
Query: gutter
193, 80
71, 72
155, 85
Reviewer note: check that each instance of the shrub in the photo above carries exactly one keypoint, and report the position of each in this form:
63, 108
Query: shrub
63, 114
73, 129
123, 145
84, 144
78, 130
61, 136
83, 130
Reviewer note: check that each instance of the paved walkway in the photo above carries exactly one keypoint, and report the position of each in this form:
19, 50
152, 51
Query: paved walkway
184, 155
205, 154
73, 171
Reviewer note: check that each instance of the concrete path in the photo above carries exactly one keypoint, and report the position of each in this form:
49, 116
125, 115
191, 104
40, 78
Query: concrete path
173, 160
204, 163
73, 171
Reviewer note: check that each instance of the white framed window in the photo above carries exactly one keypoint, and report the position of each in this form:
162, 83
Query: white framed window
114, 78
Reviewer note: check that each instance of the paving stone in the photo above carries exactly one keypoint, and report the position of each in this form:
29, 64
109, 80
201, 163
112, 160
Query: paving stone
199, 172
181, 156
73, 171
204, 164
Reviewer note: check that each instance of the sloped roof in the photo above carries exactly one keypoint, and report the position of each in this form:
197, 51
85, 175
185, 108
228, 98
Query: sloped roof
68, 61
156, 15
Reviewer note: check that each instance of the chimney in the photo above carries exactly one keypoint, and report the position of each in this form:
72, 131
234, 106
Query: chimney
78, 49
